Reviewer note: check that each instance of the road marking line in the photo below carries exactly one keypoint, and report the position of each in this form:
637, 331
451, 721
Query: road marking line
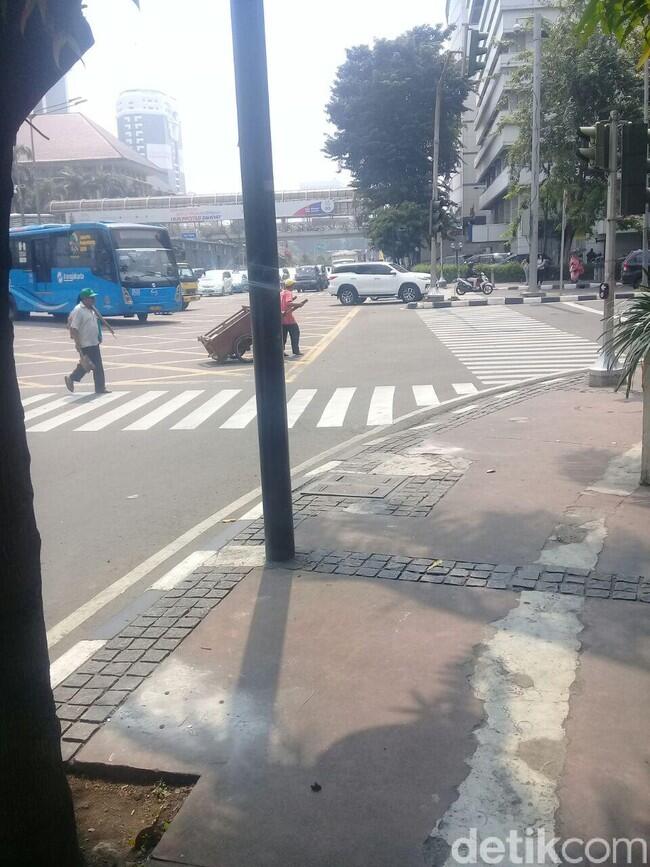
321, 346
119, 412
72, 659
54, 404
583, 308
337, 408
298, 404
203, 412
381, 405
243, 416
254, 513
161, 412
28, 401
324, 468
463, 388
425, 395
86, 407
181, 570
108, 594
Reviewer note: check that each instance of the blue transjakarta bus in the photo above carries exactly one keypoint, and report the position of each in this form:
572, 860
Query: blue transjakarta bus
132, 268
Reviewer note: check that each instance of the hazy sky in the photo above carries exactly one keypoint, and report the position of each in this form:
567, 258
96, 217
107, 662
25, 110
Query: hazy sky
184, 47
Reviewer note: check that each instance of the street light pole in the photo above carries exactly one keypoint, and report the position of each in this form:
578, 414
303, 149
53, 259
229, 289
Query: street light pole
644, 232
37, 196
534, 159
605, 371
249, 44
434, 181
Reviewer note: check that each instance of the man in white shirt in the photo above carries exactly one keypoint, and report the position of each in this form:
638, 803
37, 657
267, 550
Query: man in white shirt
86, 330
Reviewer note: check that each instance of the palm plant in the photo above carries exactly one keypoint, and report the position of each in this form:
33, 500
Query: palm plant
631, 347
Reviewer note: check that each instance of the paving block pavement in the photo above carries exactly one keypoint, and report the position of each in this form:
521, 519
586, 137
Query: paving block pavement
433, 660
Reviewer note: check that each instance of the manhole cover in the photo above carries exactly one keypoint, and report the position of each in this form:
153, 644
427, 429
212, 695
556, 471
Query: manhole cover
353, 485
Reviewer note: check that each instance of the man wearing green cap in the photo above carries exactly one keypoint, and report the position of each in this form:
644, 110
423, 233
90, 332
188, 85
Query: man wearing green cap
85, 324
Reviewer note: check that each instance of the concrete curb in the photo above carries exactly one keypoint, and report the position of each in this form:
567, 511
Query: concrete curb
484, 302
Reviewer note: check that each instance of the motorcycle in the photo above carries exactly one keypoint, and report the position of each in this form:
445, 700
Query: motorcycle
480, 284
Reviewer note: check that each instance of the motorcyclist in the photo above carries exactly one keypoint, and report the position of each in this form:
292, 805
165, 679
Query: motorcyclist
472, 274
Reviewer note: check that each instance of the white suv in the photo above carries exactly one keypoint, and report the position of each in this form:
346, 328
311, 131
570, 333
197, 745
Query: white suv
355, 282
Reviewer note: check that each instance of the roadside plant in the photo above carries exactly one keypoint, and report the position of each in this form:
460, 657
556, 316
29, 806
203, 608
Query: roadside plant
631, 348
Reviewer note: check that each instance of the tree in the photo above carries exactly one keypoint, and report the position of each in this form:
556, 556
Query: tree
382, 106
398, 230
581, 83
39, 42
621, 19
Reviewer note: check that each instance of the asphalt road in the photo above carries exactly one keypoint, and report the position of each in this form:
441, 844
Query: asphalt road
115, 482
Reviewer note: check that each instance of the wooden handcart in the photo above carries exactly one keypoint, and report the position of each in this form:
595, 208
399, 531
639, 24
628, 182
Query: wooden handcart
232, 338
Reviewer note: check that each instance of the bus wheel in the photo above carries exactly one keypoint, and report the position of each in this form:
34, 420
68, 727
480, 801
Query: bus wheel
143, 317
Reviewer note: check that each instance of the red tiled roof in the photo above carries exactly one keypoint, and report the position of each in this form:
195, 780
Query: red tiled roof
72, 137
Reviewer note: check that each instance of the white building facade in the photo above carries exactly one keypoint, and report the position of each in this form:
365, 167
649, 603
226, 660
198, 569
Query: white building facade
480, 187
148, 122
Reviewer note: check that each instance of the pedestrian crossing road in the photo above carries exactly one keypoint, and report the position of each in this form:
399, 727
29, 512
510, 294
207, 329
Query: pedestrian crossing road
499, 346
228, 408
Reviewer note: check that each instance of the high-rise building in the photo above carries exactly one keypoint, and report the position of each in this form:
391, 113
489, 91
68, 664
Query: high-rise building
56, 99
481, 184
148, 122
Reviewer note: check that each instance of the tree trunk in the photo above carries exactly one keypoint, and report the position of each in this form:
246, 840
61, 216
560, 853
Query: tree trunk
36, 818
645, 437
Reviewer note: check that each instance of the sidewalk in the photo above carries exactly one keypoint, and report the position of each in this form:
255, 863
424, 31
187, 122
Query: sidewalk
461, 643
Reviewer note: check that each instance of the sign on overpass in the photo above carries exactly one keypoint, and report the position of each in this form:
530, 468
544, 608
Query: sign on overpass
205, 209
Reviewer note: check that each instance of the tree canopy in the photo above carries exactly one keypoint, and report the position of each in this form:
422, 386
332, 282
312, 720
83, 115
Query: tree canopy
621, 19
382, 105
581, 83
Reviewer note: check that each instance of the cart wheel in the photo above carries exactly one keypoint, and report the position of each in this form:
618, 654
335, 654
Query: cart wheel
243, 347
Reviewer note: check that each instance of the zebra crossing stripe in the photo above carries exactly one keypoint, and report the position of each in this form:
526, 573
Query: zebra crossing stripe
84, 407
161, 412
298, 404
243, 416
337, 408
28, 401
381, 405
112, 415
203, 412
425, 395
52, 405
462, 388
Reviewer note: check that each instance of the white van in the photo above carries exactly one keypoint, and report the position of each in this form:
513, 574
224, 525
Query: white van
216, 282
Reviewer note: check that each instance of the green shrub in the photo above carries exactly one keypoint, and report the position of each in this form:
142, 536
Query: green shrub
510, 272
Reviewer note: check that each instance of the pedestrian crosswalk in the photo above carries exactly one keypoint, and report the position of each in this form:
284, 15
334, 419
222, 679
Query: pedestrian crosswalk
498, 345
229, 408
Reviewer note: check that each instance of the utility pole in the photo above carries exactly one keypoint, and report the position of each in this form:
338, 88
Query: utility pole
37, 196
251, 81
434, 181
644, 232
562, 241
605, 371
534, 158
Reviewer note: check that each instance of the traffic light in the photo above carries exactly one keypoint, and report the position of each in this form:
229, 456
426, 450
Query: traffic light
477, 48
436, 217
634, 169
597, 151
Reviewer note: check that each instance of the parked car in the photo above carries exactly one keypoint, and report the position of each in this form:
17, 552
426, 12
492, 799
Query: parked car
216, 282
632, 269
485, 259
355, 282
239, 282
308, 279
189, 284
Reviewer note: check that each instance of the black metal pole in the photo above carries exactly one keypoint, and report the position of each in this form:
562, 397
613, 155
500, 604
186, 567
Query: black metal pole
256, 159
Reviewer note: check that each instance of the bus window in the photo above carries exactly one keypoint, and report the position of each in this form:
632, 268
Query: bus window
42, 260
84, 249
